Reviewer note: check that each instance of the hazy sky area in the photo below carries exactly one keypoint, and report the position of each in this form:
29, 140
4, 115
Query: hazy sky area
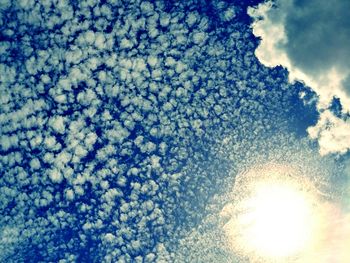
130, 130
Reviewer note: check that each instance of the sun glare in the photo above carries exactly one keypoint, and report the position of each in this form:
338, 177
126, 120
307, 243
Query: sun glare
275, 217
278, 221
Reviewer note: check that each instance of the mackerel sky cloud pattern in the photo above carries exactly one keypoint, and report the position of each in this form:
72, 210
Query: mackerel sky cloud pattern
124, 123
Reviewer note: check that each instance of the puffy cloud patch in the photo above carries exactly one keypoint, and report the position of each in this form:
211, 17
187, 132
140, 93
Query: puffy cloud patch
333, 134
311, 39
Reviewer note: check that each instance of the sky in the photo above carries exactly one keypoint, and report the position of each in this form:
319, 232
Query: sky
124, 124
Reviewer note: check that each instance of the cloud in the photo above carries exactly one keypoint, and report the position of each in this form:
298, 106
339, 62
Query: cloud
332, 132
109, 119
208, 242
311, 39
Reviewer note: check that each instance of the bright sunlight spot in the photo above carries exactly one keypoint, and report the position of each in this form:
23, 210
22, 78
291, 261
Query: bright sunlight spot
275, 216
278, 221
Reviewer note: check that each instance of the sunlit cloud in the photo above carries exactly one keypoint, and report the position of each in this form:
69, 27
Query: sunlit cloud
303, 37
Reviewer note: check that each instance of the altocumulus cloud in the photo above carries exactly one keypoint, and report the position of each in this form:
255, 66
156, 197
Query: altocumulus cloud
110, 118
311, 39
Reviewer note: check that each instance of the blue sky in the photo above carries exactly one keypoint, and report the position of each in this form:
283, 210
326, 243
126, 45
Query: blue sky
123, 124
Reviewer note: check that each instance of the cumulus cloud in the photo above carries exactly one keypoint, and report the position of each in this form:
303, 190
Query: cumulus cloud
311, 39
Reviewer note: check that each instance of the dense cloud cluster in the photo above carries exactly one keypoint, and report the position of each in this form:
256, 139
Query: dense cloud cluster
110, 114
311, 39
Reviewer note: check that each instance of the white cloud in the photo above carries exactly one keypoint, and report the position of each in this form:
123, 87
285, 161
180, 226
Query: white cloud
333, 134
311, 39
57, 124
55, 176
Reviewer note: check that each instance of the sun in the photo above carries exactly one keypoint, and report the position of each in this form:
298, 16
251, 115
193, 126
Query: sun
278, 221
275, 216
